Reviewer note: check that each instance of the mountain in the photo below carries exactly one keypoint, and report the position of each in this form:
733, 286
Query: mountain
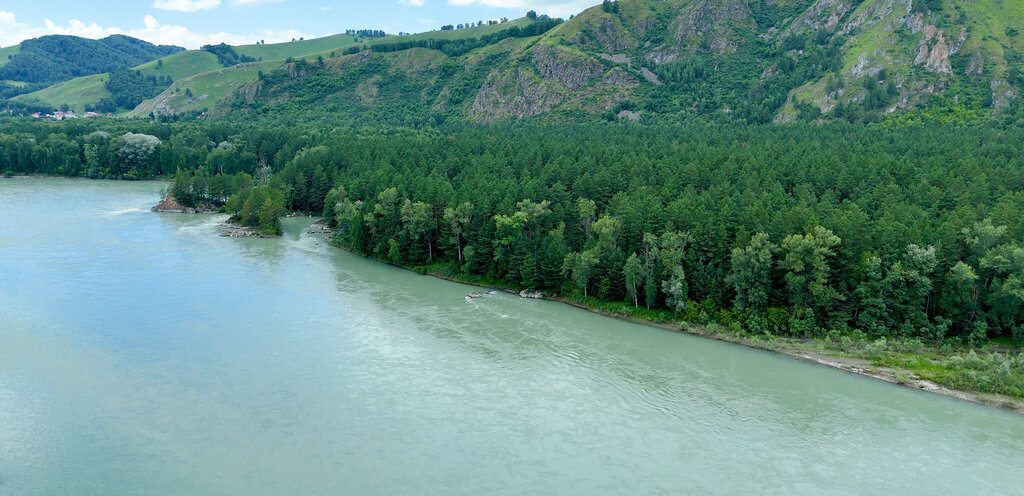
55, 58
202, 65
752, 60
756, 60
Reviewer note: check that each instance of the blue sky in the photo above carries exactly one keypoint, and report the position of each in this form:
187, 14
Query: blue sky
191, 23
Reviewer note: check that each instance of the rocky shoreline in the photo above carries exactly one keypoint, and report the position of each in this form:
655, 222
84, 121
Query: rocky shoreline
230, 230
170, 204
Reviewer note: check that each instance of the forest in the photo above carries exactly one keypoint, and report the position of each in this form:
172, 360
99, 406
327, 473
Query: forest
800, 230
53, 58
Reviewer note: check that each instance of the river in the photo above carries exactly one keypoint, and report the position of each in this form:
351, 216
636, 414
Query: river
141, 353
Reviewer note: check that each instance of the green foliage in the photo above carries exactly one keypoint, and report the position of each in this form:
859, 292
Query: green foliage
460, 46
259, 207
226, 55
53, 58
794, 230
129, 88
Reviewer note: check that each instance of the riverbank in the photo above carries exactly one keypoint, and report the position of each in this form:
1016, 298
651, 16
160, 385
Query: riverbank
912, 365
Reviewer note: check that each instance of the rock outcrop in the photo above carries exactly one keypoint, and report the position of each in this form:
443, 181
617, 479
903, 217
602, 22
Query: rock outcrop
170, 204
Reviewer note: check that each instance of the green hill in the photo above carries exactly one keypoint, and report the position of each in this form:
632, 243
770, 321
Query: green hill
8, 53
749, 60
81, 92
746, 59
55, 58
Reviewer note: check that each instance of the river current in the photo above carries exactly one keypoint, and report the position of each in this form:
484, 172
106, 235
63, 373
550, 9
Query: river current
141, 353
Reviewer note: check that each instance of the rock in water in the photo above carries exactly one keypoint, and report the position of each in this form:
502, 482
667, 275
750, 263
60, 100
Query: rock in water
171, 204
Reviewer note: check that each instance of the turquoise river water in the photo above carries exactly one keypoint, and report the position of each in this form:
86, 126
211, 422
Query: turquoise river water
141, 353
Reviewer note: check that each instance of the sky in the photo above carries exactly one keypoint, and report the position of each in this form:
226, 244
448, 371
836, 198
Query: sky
192, 23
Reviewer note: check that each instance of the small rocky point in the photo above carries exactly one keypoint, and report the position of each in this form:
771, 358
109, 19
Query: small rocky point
320, 227
230, 230
170, 204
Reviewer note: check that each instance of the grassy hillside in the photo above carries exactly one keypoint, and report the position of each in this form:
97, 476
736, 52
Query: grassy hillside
202, 91
212, 87
6, 53
181, 65
75, 94
196, 70
281, 51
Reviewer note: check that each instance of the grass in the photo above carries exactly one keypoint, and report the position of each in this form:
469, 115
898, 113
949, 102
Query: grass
199, 71
454, 34
281, 51
207, 88
181, 65
76, 93
8, 51
209, 74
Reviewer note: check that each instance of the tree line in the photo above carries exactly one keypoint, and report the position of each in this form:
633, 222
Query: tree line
462, 46
787, 230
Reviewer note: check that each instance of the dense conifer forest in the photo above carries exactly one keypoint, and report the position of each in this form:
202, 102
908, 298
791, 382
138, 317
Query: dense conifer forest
909, 231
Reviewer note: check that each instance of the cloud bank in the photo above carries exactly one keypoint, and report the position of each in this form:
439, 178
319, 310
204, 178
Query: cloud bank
13, 32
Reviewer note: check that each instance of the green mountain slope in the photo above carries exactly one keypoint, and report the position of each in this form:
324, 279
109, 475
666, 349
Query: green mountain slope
54, 58
205, 90
755, 60
184, 66
752, 60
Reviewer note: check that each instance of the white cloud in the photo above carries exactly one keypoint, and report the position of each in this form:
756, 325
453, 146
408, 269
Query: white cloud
186, 5
13, 32
411, 3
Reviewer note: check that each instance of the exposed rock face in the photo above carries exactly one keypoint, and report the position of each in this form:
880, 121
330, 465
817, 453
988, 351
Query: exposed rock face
571, 70
602, 32
650, 76
876, 12
933, 51
517, 93
823, 15
1002, 93
619, 77
524, 93
617, 58
252, 90
712, 21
